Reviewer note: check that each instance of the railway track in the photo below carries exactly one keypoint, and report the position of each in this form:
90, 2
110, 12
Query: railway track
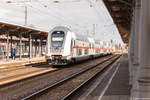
65, 88
19, 72
28, 86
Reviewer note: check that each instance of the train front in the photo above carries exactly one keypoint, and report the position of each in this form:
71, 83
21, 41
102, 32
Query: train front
57, 52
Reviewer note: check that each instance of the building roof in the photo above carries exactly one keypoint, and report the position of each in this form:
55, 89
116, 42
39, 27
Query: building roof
15, 30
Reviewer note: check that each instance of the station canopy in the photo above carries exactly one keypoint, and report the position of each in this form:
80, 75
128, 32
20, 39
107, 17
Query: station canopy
121, 12
15, 30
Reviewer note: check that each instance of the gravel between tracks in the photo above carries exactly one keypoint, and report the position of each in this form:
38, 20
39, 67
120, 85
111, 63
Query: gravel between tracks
26, 87
5, 74
60, 91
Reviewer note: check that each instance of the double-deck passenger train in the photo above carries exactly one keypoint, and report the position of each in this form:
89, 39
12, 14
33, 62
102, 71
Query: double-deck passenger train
64, 46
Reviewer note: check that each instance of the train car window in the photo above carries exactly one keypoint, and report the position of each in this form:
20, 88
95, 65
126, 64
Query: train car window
86, 51
57, 38
97, 51
79, 51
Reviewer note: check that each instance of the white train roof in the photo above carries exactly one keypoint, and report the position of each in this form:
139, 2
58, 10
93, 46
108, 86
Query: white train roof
74, 34
60, 28
81, 37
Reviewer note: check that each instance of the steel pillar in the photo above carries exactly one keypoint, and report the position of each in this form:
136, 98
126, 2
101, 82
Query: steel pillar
41, 47
11, 41
135, 63
7, 47
35, 54
20, 50
131, 53
30, 46
33, 48
144, 71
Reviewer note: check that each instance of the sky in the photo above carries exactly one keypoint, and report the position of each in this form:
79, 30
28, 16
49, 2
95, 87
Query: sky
88, 17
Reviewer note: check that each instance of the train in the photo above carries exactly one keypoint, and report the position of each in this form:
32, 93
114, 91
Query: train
65, 46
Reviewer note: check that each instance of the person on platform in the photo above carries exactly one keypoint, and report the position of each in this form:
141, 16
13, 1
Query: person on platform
13, 53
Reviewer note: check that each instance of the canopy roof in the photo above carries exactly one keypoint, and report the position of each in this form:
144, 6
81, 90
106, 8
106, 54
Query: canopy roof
121, 12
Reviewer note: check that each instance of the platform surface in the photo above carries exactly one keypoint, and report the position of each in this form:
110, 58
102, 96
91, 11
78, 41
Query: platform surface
12, 63
119, 89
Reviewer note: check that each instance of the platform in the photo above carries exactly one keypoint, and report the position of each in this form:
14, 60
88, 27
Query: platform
12, 63
119, 89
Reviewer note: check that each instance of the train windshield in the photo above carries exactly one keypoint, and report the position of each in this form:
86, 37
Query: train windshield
57, 38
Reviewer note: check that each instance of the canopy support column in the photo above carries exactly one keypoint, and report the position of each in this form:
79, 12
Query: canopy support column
7, 47
30, 46
41, 47
136, 40
36, 47
20, 52
144, 70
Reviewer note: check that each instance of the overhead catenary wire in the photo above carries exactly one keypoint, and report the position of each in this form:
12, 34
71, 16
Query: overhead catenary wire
47, 11
66, 12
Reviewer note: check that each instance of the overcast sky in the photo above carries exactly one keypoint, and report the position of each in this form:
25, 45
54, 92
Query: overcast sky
82, 16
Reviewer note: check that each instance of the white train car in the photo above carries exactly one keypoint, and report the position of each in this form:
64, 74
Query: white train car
64, 46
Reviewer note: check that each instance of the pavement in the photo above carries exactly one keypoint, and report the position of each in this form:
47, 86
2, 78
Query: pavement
9, 63
119, 89
115, 84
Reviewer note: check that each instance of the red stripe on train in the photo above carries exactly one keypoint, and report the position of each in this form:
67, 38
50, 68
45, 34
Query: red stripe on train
81, 47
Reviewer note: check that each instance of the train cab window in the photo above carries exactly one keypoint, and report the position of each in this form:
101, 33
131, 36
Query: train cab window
57, 38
